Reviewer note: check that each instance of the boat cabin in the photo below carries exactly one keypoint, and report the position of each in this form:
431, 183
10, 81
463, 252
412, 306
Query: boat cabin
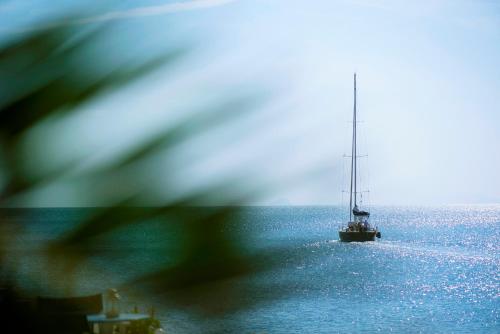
360, 222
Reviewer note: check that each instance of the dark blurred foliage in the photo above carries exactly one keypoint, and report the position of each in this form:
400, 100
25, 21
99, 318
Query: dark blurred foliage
43, 74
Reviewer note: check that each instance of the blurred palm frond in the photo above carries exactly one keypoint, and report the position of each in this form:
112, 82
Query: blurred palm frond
49, 73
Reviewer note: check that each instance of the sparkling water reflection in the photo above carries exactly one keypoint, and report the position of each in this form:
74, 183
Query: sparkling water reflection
434, 270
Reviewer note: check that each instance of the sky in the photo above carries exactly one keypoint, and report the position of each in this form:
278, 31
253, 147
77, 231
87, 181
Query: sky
428, 88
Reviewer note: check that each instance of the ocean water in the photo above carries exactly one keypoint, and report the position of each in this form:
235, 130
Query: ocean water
435, 270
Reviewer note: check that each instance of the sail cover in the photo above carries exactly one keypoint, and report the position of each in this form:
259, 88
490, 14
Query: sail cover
357, 212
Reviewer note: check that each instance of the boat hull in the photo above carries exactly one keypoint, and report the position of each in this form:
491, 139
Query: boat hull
358, 236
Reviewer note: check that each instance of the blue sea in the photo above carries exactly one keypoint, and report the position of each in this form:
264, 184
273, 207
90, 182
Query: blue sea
435, 270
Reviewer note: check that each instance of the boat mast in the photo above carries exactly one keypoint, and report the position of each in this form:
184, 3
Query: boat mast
355, 145
353, 157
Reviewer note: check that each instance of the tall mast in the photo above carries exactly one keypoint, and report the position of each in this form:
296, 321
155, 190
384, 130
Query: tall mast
355, 145
353, 157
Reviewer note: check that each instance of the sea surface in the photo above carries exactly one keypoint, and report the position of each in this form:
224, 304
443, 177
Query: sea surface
435, 270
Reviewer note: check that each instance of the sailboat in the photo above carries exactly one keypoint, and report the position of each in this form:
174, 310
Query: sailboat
358, 227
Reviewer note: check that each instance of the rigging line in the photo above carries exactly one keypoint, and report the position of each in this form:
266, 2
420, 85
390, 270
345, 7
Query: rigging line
361, 179
353, 154
343, 202
345, 181
359, 192
345, 176
364, 173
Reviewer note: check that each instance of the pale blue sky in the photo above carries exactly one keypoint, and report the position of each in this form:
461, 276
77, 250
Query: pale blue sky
428, 76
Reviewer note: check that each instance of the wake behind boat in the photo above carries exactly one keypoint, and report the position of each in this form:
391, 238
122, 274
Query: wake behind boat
358, 228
